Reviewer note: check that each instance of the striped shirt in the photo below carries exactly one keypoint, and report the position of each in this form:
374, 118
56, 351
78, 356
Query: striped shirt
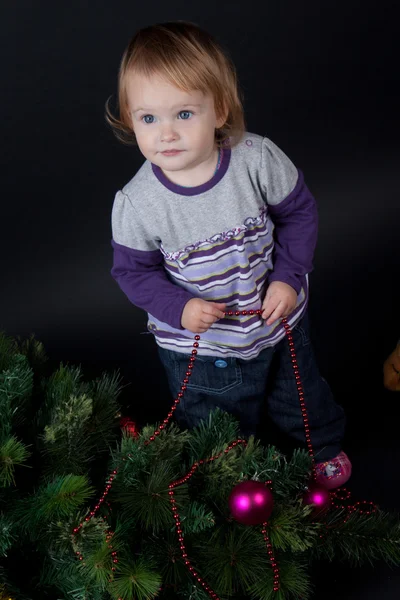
252, 223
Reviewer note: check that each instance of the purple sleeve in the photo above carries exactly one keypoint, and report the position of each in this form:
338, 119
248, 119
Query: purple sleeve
295, 235
141, 276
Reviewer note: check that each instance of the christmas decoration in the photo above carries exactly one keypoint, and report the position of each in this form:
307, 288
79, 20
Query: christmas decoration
318, 497
251, 502
162, 525
129, 426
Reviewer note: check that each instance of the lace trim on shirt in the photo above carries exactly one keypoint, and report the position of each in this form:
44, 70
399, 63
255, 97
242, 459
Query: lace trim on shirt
218, 237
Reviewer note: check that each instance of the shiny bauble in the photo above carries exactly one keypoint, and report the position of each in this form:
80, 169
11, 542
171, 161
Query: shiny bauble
318, 497
251, 502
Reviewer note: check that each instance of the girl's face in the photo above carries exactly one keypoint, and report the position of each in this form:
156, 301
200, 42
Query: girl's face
166, 118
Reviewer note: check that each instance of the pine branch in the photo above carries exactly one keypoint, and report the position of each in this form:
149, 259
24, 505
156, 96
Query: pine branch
290, 528
78, 426
67, 381
8, 350
361, 538
294, 474
66, 445
7, 536
131, 459
147, 499
294, 581
196, 517
66, 575
232, 558
288, 477
16, 385
87, 540
58, 499
164, 552
105, 391
192, 592
33, 349
13, 453
212, 435
136, 580
97, 566
169, 445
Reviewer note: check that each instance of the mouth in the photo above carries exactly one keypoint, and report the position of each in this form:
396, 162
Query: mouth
171, 152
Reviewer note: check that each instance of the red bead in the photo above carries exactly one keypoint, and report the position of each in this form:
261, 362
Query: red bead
196, 337
152, 438
194, 352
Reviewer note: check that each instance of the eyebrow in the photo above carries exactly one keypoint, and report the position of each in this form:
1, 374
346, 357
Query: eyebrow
173, 108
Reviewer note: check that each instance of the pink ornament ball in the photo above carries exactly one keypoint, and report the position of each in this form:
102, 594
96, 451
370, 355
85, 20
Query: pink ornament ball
251, 502
319, 497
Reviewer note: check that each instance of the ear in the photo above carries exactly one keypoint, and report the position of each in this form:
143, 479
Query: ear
222, 118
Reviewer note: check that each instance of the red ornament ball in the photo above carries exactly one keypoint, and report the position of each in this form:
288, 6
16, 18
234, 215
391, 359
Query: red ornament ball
129, 426
251, 502
319, 497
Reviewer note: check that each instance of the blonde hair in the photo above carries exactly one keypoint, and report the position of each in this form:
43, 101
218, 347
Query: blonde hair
189, 58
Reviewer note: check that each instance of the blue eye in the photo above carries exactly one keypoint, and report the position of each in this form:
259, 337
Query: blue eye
183, 112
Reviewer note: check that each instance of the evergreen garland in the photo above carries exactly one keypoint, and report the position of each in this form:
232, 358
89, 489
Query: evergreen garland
60, 437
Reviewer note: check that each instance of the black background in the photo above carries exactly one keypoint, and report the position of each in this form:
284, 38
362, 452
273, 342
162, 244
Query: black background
321, 81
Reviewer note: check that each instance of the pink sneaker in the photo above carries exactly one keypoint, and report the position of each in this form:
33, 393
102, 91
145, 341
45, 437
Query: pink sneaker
335, 472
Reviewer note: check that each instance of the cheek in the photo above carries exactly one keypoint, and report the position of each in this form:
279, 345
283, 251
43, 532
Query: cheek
143, 137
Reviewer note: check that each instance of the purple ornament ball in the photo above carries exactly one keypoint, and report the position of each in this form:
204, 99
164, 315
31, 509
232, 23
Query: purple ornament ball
251, 502
319, 497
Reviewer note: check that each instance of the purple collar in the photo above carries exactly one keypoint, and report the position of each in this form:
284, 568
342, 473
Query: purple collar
198, 189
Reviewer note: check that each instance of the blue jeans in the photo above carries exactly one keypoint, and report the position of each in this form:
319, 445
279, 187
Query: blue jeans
242, 387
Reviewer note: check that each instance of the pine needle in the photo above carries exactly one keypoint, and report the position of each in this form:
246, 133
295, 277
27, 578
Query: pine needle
13, 453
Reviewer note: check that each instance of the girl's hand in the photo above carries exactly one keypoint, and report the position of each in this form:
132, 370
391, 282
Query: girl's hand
280, 300
198, 315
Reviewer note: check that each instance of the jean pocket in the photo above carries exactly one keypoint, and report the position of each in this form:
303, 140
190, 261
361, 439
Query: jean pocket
210, 374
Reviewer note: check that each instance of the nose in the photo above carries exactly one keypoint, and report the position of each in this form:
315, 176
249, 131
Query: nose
168, 134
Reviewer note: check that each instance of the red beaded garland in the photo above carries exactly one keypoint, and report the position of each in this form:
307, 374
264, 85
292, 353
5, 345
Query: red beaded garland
300, 393
335, 495
274, 565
